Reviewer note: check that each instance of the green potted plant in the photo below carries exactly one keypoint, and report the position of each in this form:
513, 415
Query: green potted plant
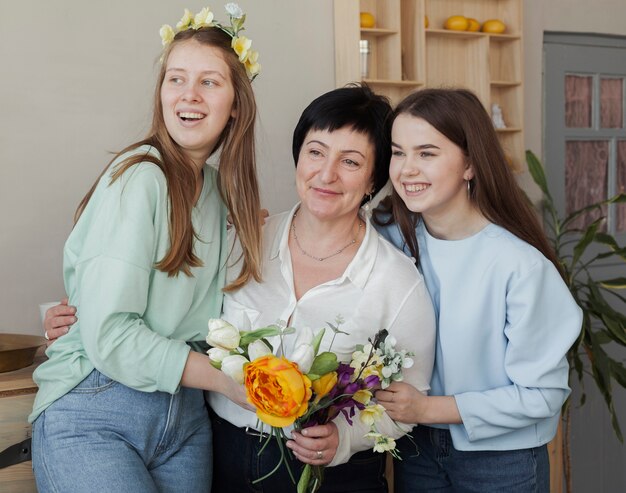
603, 323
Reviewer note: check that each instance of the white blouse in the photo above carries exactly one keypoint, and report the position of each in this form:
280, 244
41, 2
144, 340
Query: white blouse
380, 289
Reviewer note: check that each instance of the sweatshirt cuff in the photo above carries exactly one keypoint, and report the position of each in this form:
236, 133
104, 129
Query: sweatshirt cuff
172, 366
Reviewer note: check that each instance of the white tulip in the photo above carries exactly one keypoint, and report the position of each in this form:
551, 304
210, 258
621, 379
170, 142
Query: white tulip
303, 336
222, 334
258, 348
217, 354
232, 365
303, 355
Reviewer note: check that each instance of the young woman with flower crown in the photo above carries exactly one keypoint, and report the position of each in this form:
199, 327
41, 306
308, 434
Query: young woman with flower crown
505, 318
120, 405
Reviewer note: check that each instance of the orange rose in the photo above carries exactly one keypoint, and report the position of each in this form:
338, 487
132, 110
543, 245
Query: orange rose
324, 385
278, 390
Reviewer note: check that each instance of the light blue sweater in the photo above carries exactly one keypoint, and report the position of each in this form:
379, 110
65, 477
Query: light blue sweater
133, 320
505, 320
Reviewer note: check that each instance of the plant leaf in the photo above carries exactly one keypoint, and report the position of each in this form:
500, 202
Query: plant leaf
613, 320
615, 283
324, 363
537, 173
272, 330
317, 341
586, 240
601, 368
618, 372
579, 212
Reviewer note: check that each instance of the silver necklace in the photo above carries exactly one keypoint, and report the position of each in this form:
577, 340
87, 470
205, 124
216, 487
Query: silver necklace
321, 259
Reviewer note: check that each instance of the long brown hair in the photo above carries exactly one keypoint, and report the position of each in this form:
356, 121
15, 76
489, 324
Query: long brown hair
460, 116
237, 183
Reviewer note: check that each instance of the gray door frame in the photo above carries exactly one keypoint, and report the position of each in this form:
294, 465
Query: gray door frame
566, 53
598, 458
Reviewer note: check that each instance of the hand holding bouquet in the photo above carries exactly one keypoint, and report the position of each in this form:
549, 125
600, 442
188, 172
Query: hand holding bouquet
311, 387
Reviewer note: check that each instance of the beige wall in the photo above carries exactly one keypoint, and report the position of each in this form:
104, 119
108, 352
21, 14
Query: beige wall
76, 82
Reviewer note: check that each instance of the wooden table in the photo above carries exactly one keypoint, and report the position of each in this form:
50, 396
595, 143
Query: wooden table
17, 393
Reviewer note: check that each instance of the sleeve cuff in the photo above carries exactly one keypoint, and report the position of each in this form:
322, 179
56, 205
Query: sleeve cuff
171, 373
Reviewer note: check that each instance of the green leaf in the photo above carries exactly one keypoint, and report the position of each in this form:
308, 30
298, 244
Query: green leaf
616, 329
603, 337
324, 363
305, 477
254, 335
606, 239
615, 283
613, 320
620, 252
585, 241
317, 340
620, 198
536, 171
618, 371
579, 212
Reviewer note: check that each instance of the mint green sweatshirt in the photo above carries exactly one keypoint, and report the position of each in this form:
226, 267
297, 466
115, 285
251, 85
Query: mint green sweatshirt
134, 320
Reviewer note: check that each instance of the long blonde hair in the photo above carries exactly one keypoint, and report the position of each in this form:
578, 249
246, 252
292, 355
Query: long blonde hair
237, 183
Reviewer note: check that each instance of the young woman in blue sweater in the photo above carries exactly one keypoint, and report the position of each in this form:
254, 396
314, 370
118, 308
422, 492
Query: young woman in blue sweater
505, 317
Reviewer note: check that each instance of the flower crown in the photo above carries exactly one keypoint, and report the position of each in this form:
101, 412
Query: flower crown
240, 44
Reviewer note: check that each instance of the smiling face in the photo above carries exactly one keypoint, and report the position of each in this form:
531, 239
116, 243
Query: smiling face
334, 172
427, 170
197, 95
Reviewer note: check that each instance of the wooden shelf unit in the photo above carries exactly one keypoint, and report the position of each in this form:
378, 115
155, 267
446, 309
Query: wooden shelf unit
406, 56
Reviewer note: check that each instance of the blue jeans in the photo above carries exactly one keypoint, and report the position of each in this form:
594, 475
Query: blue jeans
437, 466
105, 437
237, 463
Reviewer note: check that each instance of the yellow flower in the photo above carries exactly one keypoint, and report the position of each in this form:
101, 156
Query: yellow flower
278, 390
324, 385
203, 18
362, 358
373, 370
241, 45
382, 443
371, 414
363, 396
185, 21
167, 34
253, 67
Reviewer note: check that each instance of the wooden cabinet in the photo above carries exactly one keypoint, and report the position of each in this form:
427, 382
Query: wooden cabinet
405, 56
17, 393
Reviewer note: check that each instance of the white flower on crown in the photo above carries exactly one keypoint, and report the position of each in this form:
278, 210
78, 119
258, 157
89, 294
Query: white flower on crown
233, 10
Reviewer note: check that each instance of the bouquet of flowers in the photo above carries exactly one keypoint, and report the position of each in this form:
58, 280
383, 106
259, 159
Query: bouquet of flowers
312, 387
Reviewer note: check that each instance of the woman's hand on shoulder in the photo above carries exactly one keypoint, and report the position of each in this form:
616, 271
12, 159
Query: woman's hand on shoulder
58, 320
316, 445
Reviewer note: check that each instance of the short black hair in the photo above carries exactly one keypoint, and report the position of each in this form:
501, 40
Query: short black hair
354, 106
